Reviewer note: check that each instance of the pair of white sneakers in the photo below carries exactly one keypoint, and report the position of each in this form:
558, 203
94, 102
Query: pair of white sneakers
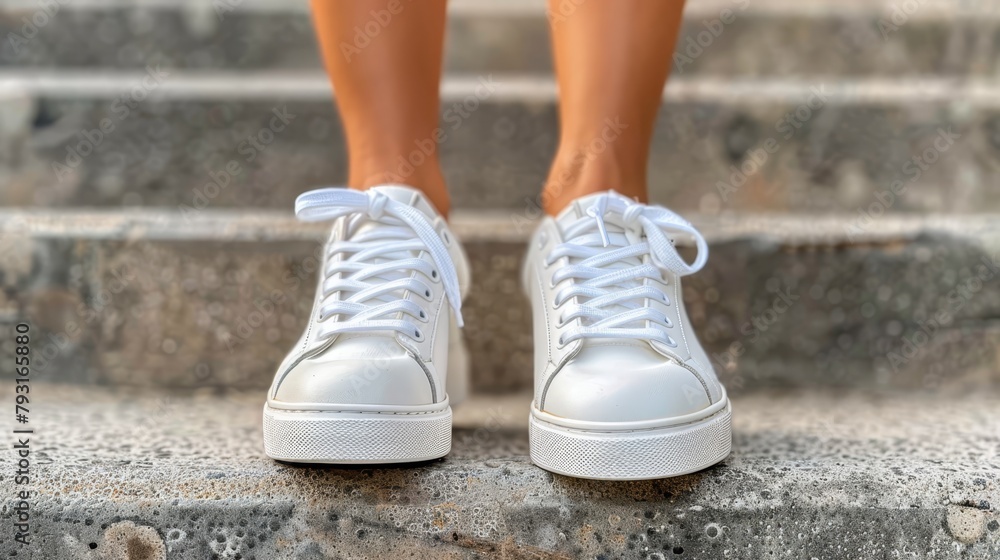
623, 390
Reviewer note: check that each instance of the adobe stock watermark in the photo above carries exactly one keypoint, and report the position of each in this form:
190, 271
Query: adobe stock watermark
376, 360
250, 148
224, 7
695, 44
563, 10
32, 24
87, 313
88, 141
895, 17
534, 206
371, 29
454, 116
912, 345
265, 307
753, 329
899, 15
913, 169
787, 126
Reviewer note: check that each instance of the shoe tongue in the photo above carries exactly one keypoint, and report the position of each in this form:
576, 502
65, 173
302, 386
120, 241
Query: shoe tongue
410, 197
578, 208
400, 193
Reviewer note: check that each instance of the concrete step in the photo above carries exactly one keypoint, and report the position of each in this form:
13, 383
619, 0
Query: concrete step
115, 474
217, 298
728, 37
239, 140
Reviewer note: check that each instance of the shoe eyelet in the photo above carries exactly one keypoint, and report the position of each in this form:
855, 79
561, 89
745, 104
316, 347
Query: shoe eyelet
427, 294
446, 238
668, 322
671, 342
434, 274
423, 315
417, 335
560, 344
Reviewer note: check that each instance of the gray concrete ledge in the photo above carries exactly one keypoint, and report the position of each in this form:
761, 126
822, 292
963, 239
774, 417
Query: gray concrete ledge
812, 475
314, 85
695, 8
801, 229
149, 298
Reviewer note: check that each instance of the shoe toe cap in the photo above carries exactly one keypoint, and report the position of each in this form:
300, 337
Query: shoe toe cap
623, 385
345, 377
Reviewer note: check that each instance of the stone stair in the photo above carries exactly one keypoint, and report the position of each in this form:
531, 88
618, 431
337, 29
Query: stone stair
845, 180
132, 474
203, 140
885, 96
149, 445
216, 298
758, 38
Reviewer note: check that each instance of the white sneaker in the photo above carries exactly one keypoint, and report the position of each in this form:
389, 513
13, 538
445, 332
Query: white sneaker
623, 390
366, 383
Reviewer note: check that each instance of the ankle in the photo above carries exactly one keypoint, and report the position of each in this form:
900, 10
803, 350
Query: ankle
425, 177
582, 174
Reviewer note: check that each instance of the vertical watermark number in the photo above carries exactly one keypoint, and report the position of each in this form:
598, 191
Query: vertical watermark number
22, 431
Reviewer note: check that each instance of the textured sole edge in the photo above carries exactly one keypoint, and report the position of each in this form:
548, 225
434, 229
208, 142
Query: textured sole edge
355, 437
632, 455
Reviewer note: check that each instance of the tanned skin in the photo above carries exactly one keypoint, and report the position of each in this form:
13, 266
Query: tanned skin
612, 59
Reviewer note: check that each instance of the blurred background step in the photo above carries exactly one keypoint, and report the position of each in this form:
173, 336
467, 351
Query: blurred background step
217, 298
812, 475
725, 37
720, 144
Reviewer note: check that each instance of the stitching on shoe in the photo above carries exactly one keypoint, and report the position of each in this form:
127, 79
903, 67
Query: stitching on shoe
437, 323
680, 321
678, 302
704, 385
545, 310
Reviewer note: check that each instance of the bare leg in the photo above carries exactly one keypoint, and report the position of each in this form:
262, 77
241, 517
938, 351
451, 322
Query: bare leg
612, 60
384, 59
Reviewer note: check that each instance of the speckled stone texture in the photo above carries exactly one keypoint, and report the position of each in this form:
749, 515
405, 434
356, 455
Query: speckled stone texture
718, 147
760, 37
151, 298
812, 475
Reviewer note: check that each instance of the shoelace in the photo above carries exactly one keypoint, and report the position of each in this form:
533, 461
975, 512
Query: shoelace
613, 297
372, 283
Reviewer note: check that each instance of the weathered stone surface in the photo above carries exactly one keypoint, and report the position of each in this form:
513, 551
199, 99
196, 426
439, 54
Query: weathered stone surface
217, 299
812, 475
719, 145
759, 38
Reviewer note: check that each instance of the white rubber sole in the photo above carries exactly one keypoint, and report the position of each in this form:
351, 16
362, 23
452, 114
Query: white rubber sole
626, 454
356, 437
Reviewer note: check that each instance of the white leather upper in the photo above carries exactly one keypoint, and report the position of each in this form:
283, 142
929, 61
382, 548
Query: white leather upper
611, 379
375, 367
